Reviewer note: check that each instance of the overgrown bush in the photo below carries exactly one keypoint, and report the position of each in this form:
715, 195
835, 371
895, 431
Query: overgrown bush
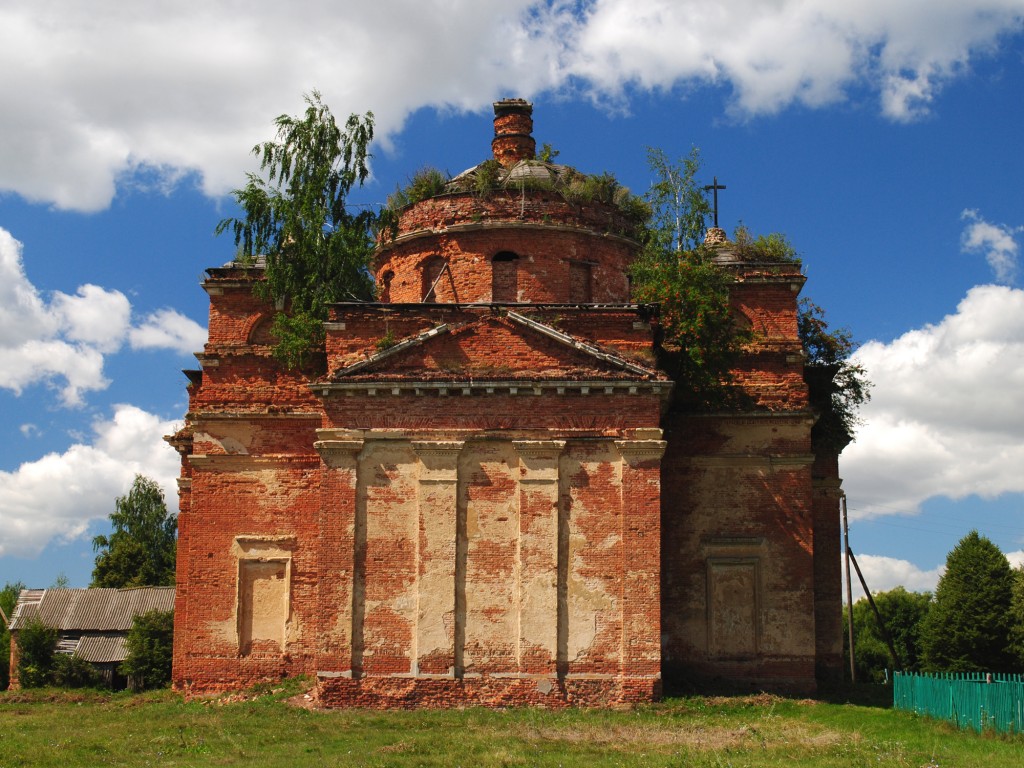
425, 183
837, 387
73, 672
37, 646
487, 177
701, 341
150, 644
772, 248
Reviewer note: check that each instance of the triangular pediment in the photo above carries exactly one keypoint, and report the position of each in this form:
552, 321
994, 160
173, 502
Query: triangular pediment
506, 347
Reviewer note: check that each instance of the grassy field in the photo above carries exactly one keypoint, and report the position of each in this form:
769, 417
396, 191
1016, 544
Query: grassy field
68, 729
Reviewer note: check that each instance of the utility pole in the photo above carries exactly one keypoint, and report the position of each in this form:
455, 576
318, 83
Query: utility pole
849, 589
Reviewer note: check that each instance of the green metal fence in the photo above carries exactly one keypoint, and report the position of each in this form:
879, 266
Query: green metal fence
981, 700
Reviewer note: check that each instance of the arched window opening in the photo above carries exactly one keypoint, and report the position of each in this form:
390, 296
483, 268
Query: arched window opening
580, 279
505, 277
431, 273
384, 294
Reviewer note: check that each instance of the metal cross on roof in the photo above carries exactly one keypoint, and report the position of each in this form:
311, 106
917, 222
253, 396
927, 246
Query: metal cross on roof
715, 187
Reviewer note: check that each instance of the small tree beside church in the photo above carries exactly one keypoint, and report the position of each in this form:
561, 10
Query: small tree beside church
316, 250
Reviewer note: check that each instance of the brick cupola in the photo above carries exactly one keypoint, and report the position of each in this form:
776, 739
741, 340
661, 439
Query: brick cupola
513, 132
508, 234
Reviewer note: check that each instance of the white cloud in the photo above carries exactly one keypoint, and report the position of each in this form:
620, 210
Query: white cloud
93, 316
59, 495
997, 241
885, 573
168, 329
23, 316
946, 415
95, 93
62, 342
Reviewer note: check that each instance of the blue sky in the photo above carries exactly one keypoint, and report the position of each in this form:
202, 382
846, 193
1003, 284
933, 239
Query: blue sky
882, 138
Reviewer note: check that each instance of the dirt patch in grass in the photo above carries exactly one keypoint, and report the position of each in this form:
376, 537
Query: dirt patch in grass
698, 737
396, 748
54, 696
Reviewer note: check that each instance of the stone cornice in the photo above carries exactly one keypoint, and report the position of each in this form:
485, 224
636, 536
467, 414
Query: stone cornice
754, 417
334, 452
241, 462
749, 460
472, 387
194, 416
499, 224
641, 450
536, 447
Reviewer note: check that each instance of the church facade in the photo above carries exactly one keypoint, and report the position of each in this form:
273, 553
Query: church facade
489, 495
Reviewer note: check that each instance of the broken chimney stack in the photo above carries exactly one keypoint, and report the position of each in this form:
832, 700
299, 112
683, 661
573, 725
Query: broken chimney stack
513, 132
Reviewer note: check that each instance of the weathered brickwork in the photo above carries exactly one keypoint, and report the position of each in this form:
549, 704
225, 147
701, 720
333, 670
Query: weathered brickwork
544, 261
490, 497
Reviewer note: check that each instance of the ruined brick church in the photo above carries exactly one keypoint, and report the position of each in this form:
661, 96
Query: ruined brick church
490, 495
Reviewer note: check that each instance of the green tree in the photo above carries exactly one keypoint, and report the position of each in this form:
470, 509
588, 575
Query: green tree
837, 387
150, 645
8, 599
903, 614
37, 645
317, 251
1017, 616
700, 340
679, 206
141, 550
968, 626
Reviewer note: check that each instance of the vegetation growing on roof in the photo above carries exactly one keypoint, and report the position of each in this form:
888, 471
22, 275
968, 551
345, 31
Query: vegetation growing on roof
317, 251
702, 341
425, 183
547, 153
771, 248
487, 177
490, 178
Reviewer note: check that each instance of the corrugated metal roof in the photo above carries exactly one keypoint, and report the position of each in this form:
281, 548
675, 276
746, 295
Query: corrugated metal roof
100, 649
96, 610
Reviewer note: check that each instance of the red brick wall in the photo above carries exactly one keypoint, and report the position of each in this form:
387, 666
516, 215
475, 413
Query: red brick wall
642, 575
548, 235
253, 479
